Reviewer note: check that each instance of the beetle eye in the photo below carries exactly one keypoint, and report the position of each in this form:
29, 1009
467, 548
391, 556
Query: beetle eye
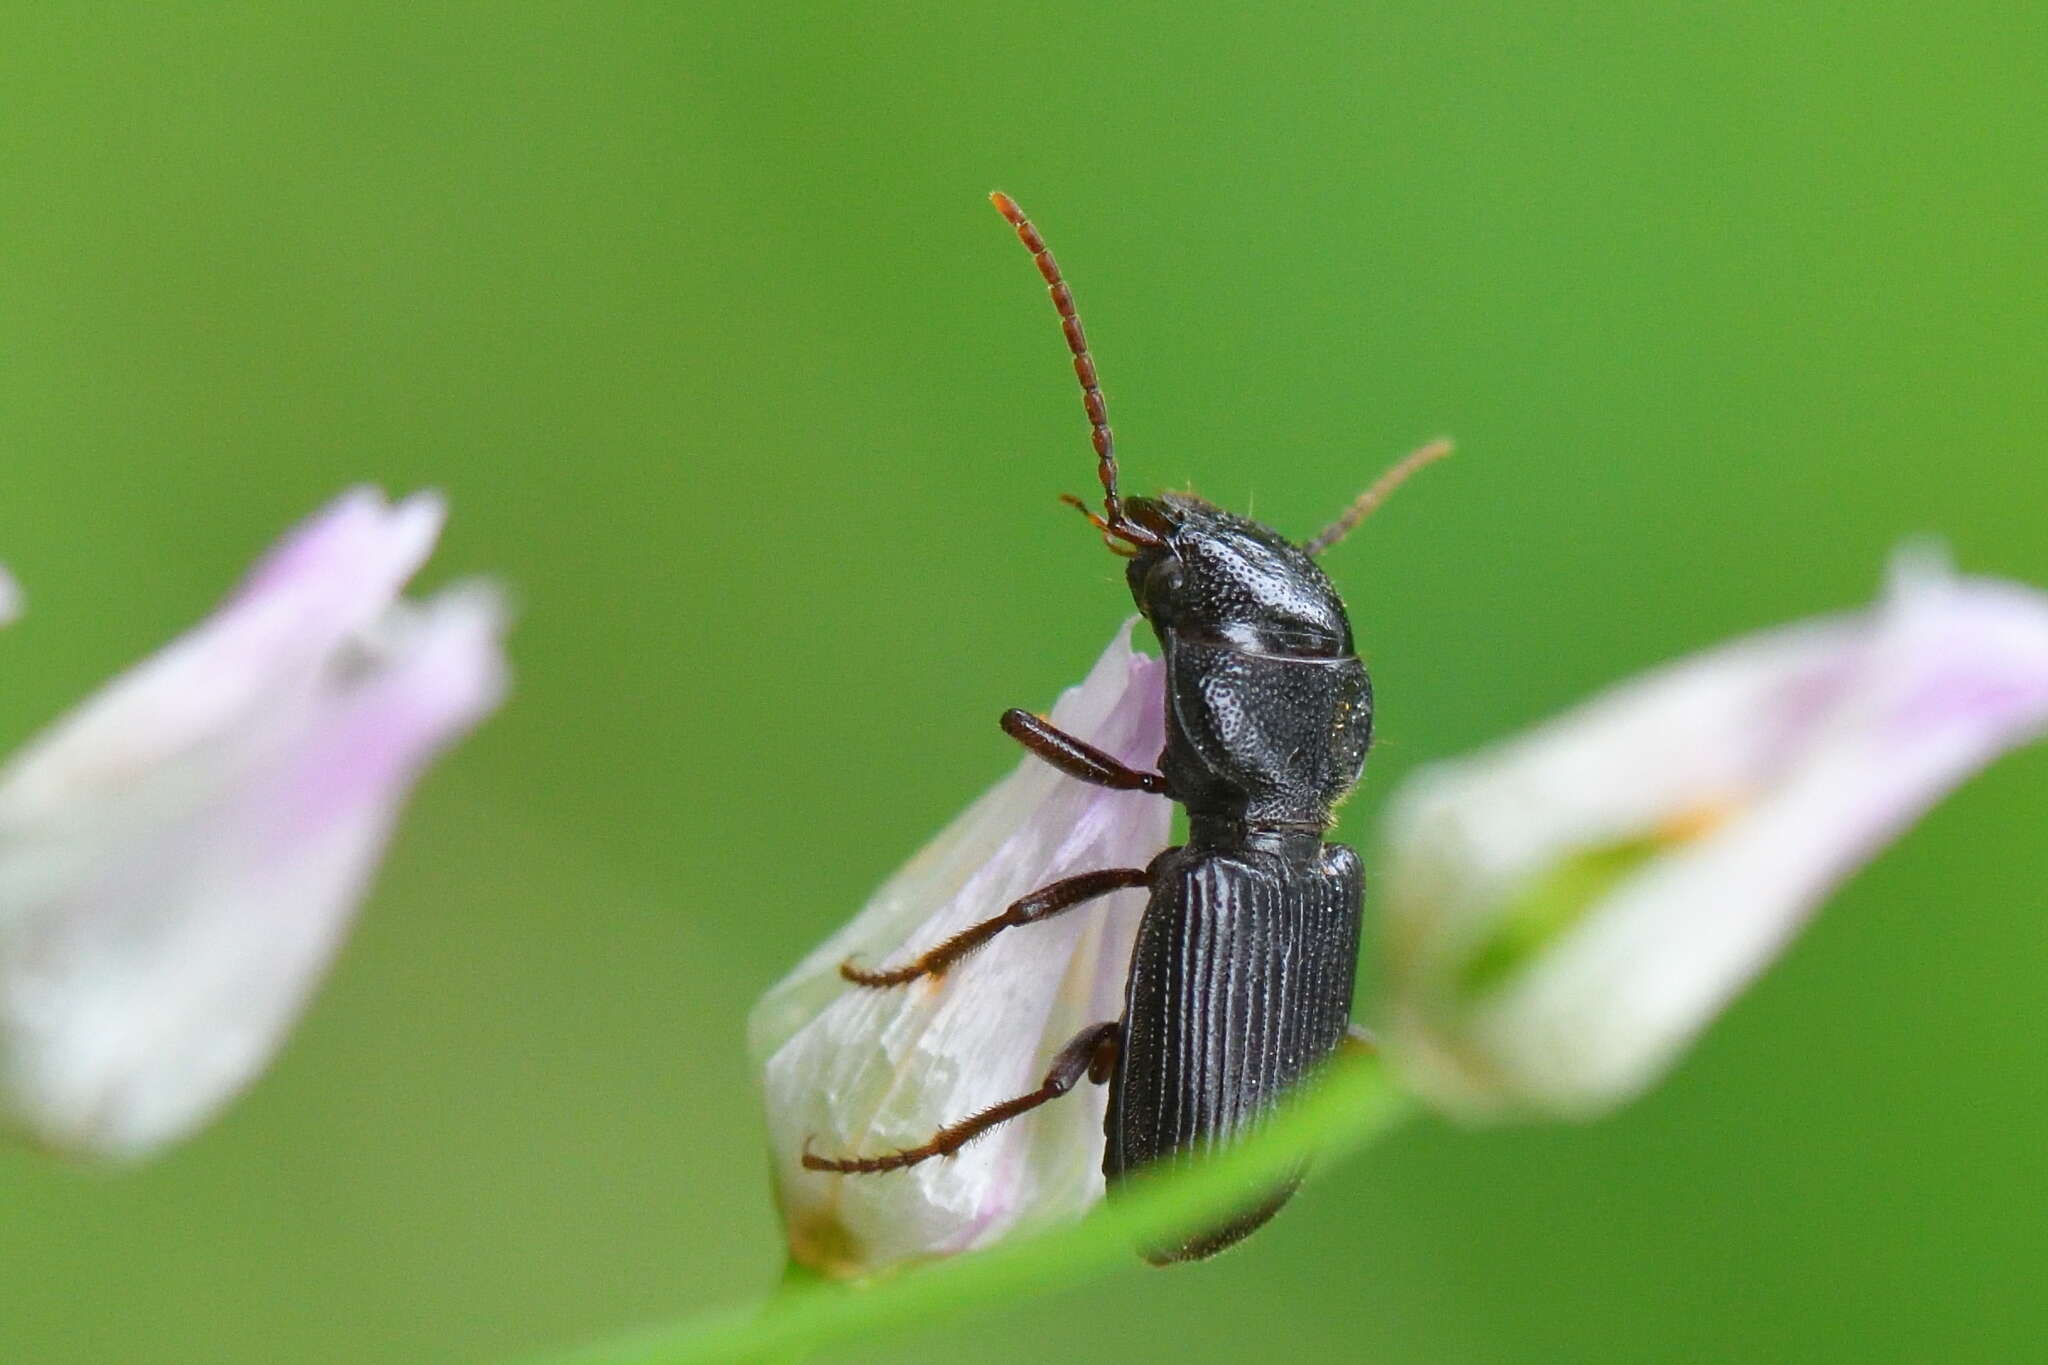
1162, 586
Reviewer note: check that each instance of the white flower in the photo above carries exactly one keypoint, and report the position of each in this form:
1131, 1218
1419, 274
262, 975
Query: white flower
1567, 910
180, 856
857, 1071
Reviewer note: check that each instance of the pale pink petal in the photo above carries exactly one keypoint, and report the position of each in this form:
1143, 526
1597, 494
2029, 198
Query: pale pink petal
234, 678
1739, 787
864, 1071
180, 857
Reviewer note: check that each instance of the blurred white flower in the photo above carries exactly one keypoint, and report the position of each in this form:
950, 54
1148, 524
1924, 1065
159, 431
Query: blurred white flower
860, 1071
1566, 911
181, 855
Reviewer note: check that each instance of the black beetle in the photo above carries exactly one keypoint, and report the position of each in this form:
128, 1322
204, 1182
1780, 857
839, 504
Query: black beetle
1240, 982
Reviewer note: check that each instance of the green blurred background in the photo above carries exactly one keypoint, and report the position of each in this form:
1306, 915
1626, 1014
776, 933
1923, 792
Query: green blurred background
698, 315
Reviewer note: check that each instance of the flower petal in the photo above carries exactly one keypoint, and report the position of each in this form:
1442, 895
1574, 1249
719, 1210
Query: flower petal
180, 857
236, 678
1568, 910
866, 1071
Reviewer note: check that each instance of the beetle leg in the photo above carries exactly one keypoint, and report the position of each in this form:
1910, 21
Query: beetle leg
1077, 758
1092, 1053
1041, 904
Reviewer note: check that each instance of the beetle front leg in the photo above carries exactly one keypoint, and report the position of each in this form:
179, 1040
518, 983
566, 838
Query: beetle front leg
1092, 1053
1041, 904
1078, 758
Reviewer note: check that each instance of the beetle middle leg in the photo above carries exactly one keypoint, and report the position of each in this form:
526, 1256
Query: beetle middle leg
1041, 904
1092, 1053
1078, 758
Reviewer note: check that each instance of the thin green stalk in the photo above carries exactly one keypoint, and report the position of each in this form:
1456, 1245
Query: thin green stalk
1354, 1105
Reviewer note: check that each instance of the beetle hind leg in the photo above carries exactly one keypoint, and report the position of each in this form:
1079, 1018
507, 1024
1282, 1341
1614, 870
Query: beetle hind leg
1092, 1053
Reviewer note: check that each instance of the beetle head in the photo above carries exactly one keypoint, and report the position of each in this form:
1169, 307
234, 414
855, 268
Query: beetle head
1226, 579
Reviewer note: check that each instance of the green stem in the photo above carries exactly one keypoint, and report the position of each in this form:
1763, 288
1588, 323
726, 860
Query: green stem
1354, 1105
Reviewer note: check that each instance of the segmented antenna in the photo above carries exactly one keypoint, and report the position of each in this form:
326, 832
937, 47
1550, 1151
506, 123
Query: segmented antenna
1368, 501
1112, 522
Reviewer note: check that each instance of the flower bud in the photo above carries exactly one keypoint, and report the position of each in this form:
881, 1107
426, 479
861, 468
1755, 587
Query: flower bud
858, 1071
1567, 910
181, 855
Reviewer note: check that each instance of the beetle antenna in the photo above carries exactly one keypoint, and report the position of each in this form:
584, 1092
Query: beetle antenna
1382, 488
1113, 521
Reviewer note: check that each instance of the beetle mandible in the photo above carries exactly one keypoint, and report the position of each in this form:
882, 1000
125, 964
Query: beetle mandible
1240, 981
